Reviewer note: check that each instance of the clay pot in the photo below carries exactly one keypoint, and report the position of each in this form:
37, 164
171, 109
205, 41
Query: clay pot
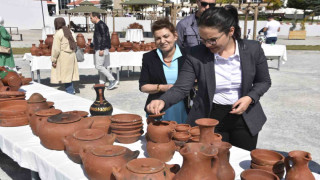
128, 45
112, 49
147, 47
26, 81
39, 52
85, 138
182, 127
182, 136
12, 79
125, 128
225, 170
100, 122
128, 139
49, 41
136, 47
127, 123
115, 40
41, 116
145, 168
41, 44
299, 168
35, 103
81, 42
265, 157
82, 114
161, 151
98, 161
52, 131
276, 169
160, 131
254, 174
194, 139
14, 121
100, 107
13, 108
207, 134
126, 133
125, 118
5, 88
200, 161
46, 52
195, 131
33, 49
8, 94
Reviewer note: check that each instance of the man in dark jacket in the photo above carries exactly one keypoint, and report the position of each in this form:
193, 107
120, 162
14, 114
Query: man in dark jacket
102, 44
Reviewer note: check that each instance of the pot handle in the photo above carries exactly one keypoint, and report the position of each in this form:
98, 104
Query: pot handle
116, 172
133, 155
174, 168
287, 163
100, 96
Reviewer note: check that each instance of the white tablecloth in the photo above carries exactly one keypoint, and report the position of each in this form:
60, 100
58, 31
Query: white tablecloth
275, 50
117, 59
23, 147
134, 35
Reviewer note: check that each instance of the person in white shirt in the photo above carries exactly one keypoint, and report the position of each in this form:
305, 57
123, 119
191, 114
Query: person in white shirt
272, 28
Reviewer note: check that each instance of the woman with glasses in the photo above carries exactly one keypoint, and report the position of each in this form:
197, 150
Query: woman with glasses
232, 75
160, 68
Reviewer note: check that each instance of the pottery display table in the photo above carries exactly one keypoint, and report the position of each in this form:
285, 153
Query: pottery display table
134, 35
275, 52
117, 60
23, 147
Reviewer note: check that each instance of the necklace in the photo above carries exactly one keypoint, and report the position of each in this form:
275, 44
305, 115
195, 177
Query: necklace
167, 61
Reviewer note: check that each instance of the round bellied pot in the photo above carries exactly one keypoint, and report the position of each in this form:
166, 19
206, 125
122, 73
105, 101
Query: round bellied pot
181, 136
299, 168
203, 157
41, 44
101, 122
12, 79
33, 49
225, 170
81, 42
255, 174
160, 131
207, 134
41, 116
115, 40
98, 161
100, 107
161, 151
49, 41
52, 131
35, 103
145, 169
136, 46
85, 138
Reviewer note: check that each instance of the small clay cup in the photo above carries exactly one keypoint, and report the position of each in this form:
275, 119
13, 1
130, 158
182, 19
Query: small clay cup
182, 136
182, 127
195, 131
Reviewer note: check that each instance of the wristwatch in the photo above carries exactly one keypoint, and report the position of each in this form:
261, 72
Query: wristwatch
158, 87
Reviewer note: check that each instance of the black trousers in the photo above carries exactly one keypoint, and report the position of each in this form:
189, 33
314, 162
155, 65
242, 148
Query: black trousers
233, 128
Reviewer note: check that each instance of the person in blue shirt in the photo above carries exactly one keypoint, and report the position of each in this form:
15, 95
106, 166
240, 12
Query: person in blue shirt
161, 67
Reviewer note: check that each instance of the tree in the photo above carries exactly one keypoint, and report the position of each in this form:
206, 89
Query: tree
276, 4
105, 4
299, 4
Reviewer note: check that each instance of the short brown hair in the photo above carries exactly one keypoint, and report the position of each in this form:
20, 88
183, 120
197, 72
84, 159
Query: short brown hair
95, 14
163, 23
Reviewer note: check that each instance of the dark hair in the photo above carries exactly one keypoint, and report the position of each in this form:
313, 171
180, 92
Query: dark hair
60, 23
95, 14
270, 16
221, 18
163, 23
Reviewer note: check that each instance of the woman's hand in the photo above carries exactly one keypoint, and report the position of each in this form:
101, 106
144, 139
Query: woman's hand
101, 52
155, 106
54, 65
241, 105
165, 87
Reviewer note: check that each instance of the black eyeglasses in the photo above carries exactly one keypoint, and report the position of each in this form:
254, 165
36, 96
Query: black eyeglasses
205, 4
212, 41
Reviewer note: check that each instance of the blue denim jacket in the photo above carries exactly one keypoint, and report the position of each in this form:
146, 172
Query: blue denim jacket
188, 32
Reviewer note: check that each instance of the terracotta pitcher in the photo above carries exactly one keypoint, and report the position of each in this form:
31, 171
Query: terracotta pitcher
100, 107
81, 42
200, 161
145, 169
85, 138
98, 161
33, 49
299, 168
115, 40
160, 131
207, 134
225, 171
49, 41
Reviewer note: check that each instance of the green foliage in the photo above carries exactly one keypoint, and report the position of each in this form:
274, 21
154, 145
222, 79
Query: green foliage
226, 1
276, 4
106, 4
298, 4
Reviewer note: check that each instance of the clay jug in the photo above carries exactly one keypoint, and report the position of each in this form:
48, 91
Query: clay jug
200, 161
52, 131
41, 116
81, 42
35, 103
225, 170
207, 126
41, 44
161, 151
98, 161
12, 79
49, 41
85, 138
33, 49
160, 131
115, 39
100, 107
299, 168
145, 169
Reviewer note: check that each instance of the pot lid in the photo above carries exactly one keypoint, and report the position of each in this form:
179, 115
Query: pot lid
35, 98
80, 113
125, 118
145, 165
64, 118
88, 134
48, 112
108, 150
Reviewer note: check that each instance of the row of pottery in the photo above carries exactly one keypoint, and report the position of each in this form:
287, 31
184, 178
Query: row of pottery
43, 49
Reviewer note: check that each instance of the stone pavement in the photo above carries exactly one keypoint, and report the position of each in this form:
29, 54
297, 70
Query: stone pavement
291, 104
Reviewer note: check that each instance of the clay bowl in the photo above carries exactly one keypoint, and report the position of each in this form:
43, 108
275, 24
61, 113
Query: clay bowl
182, 127
265, 157
127, 124
125, 118
194, 139
13, 98
100, 122
10, 94
277, 168
13, 108
125, 128
257, 174
195, 131
127, 133
13, 122
156, 116
128, 139
182, 136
